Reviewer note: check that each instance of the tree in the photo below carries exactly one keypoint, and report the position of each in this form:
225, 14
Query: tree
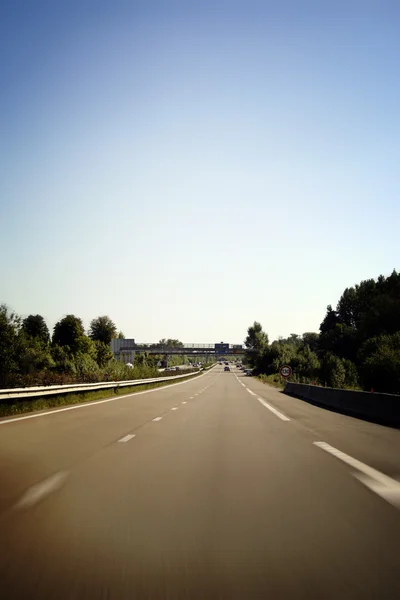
103, 353
170, 343
102, 329
141, 359
121, 336
306, 363
366, 291
63, 361
333, 372
381, 317
34, 356
294, 340
311, 339
9, 327
348, 308
256, 338
382, 371
351, 378
330, 320
86, 366
340, 340
283, 353
380, 363
256, 343
35, 327
68, 332
84, 345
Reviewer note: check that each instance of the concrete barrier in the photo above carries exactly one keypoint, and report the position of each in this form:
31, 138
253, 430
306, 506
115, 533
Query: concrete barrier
375, 407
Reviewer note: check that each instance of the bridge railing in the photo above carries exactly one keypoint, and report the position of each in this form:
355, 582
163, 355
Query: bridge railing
147, 345
190, 346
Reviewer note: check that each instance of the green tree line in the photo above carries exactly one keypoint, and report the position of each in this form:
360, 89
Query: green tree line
29, 355
357, 346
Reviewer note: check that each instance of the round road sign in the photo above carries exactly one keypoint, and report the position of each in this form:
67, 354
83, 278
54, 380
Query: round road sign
285, 371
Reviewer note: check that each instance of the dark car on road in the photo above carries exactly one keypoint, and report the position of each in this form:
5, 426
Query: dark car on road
227, 369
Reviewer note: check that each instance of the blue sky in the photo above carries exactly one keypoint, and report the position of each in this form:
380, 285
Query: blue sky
188, 168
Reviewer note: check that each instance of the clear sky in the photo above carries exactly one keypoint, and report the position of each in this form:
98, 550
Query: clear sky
189, 167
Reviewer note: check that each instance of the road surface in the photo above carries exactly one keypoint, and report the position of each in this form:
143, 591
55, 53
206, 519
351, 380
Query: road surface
216, 488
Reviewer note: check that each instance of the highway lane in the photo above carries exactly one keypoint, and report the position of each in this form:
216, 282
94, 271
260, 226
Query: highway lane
376, 445
220, 498
31, 449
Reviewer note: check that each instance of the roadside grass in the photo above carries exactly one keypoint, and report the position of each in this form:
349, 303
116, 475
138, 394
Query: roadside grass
274, 380
13, 406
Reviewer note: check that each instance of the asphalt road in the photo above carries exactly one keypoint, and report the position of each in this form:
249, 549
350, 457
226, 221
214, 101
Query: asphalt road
215, 488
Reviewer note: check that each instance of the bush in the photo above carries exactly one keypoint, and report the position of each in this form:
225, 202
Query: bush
333, 372
381, 365
34, 357
275, 380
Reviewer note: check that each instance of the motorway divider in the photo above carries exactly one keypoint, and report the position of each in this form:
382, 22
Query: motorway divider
376, 407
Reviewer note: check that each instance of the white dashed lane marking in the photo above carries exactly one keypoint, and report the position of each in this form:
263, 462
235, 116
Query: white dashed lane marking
127, 438
39, 491
174, 408
264, 403
157, 419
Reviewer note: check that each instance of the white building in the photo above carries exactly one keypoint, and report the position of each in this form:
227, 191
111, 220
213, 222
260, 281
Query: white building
123, 350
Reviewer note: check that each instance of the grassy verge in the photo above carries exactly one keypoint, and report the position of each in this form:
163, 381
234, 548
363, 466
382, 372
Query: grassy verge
274, 380
16, 407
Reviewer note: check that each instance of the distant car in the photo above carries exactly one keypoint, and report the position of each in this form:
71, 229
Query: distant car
249, 372
227, 368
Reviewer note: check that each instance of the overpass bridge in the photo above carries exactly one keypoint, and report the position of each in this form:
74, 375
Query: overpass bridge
126, 349
188, 349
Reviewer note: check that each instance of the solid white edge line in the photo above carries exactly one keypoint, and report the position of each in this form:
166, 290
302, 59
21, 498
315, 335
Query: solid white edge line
157, 419
94, 403
273, 410
40, 490
127, 437
353, 462
381, 484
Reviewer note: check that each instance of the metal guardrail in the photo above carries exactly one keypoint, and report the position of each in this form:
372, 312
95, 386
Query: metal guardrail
48, 390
